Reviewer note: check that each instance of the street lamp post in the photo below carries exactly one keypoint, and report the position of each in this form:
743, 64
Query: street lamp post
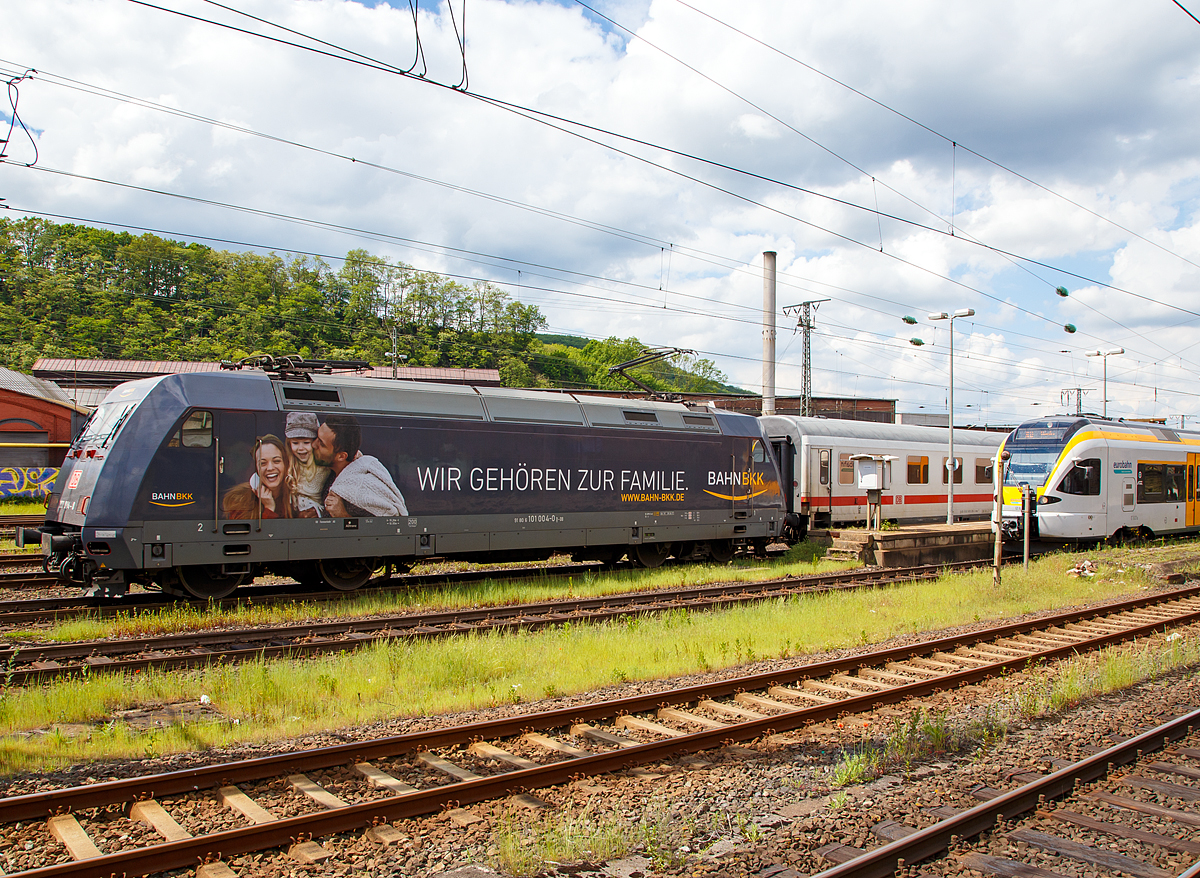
951, 464
1105, 355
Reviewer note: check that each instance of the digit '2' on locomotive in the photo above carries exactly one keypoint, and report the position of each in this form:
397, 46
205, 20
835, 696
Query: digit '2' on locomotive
197, 482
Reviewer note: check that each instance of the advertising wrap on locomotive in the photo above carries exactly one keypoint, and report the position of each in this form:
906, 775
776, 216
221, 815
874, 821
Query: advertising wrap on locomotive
197, 482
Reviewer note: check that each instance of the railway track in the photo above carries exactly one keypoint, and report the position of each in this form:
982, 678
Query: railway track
9, 523
20, 559
210, 814
1044, 817
29, 662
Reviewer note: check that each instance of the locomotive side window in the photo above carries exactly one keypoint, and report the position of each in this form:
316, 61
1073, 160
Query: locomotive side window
918, 469
758, 453
196, 432
1083, 478
983, 471
845, 469
958, 470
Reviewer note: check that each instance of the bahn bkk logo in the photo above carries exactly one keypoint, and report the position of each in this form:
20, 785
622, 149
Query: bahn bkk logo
747, 479
172, 499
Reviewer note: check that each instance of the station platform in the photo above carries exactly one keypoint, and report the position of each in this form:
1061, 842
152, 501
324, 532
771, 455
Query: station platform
910, 546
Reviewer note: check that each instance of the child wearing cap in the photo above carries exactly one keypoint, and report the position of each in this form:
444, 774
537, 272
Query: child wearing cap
308, 476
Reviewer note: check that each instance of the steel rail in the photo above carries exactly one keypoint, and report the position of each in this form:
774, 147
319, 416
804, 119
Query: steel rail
186, 853
418, 626
657, 599
44, 804
932, 840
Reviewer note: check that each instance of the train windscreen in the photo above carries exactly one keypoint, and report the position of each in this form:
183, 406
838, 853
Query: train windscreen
1035, 446
1031, 464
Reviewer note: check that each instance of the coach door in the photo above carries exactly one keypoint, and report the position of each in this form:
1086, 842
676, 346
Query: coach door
1193, 493
785, 457
821, 479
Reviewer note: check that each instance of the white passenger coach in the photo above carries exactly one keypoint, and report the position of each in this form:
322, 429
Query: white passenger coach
816, 458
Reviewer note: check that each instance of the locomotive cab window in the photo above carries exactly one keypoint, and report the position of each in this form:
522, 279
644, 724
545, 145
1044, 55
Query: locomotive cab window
918, 469
958, 470
758, 453
196, 432
1082, 479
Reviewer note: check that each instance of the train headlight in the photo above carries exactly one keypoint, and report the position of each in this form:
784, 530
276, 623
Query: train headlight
1046, 500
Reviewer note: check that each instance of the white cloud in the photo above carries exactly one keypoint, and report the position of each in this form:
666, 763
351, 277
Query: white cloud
1100, 108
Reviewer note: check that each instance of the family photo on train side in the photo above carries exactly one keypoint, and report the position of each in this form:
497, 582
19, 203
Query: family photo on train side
316, 470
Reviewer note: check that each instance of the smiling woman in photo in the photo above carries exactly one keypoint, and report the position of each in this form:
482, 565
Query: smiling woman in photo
269, 493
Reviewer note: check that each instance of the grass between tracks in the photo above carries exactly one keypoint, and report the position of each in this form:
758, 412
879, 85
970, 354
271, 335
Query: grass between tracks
545, 585
72, 720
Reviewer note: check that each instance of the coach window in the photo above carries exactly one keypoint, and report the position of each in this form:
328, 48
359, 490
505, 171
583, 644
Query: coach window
824, 466
1083, 478
983, 470
958, 470
918, 470
1150, 483
1175, 483
196, 432
1191, 483
845, 469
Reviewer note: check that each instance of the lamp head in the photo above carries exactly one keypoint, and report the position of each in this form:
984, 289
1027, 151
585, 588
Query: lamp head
938, 315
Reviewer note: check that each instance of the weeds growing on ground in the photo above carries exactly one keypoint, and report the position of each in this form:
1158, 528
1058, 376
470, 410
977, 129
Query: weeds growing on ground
528, 849
268, 700
921, 735
1053, 690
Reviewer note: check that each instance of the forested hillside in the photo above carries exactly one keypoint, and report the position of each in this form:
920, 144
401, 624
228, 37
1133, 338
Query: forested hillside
76, 291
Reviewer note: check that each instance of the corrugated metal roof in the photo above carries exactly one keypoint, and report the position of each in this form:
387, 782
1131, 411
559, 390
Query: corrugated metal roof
66, 372
28, 385
142, 368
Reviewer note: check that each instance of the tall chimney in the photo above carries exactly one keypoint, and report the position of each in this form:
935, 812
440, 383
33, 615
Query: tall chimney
768, 382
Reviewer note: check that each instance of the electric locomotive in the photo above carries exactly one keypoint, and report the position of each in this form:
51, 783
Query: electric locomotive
1089, 478
198, 482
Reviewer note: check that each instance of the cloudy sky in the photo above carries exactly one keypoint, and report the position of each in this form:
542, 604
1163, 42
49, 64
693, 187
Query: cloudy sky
624, 165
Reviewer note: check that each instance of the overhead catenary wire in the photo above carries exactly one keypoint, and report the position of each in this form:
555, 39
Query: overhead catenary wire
958, 145
817, 282
886, 342
549, 119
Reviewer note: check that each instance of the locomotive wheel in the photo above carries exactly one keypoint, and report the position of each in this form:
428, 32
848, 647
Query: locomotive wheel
208, 582
650, 555
721, 551
345, 574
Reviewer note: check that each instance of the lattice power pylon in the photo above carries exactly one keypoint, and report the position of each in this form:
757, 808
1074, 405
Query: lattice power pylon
804, 313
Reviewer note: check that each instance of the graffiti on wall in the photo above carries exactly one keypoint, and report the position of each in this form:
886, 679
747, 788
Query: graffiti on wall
26, 482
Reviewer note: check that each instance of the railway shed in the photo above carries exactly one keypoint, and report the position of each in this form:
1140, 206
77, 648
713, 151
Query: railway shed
37, 421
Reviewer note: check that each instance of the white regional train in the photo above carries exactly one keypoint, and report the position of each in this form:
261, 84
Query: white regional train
816, 456
1095, 478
